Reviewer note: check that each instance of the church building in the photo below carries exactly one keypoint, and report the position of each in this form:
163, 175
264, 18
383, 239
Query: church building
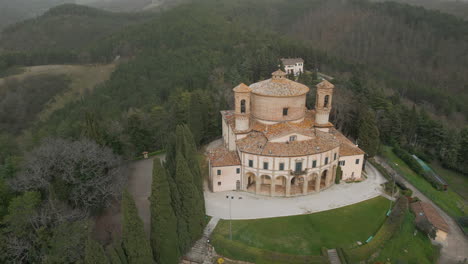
273, 145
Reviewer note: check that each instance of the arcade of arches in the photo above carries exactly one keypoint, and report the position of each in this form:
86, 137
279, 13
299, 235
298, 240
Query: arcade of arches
289, 185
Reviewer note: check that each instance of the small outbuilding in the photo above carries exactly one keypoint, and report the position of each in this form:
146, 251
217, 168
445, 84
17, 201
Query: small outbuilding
293, 65
427, 214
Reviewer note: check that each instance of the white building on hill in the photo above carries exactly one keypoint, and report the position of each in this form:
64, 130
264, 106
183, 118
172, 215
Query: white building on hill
293, 65
274, 145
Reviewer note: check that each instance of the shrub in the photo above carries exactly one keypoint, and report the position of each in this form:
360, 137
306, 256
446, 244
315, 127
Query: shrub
407, 192
416, 167
386, 232
339, 173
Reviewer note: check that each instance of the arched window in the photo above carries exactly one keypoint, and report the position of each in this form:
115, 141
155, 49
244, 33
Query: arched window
326, 100
242, 106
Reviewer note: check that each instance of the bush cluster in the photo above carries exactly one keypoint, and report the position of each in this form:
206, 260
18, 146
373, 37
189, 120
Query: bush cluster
416, 167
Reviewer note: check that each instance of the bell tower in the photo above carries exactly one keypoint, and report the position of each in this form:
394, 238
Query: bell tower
242, 106
323, 103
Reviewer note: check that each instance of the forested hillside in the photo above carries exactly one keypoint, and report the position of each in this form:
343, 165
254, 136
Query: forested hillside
421, 54
65, 27
457, 8
14, 11
179, 66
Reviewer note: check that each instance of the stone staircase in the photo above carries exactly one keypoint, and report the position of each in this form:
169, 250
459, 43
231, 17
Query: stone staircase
333, 256
202, 252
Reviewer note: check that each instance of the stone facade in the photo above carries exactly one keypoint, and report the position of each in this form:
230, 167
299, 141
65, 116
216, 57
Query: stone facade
293, 65
273, 145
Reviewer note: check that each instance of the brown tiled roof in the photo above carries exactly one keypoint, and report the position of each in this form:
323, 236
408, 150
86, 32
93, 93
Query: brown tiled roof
242, 88
260, 134
427, 211
279, 87
347, 148
257, 143
230, 117
291, 61
325, 85
221, 156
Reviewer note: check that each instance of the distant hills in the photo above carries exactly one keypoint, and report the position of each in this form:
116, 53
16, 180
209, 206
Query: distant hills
65, 27
457, 8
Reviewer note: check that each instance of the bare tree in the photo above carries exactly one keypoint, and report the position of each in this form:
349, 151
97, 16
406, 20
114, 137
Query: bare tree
81, 173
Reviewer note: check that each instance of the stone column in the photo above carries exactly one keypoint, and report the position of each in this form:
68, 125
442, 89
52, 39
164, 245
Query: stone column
317, 183
288, 186
306, 182
328, 178
257, 185
272, 186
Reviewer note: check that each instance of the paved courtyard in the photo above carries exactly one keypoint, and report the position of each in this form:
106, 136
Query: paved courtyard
250, 206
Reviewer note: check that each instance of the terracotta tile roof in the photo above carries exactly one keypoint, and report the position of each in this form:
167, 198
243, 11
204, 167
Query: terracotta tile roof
257, 143
221, 156
291, 61
279, 87
242, 88
347, 148
427, 211
230, 117
325, 85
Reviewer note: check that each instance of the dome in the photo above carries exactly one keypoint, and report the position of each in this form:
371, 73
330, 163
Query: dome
279, 86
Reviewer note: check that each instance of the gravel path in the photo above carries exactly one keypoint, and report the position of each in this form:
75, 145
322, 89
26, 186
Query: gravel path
249, 206
455, 248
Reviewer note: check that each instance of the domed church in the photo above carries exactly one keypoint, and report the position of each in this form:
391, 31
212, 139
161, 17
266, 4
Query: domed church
273, 145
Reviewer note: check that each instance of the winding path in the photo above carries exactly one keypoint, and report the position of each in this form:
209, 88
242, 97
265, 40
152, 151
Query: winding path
455, 248
250, 206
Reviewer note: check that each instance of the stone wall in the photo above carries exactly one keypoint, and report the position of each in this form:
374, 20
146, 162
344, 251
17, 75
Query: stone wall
268, 108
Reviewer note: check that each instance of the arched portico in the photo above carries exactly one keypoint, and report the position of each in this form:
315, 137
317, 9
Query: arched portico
324, 179
311, 184
334, 174
250, 181
298, 183
281, 185
265, 185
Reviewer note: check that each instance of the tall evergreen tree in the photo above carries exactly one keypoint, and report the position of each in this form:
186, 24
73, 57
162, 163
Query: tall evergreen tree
164, 239
191, 206
190, 154
135, 242
94, 253
368, 133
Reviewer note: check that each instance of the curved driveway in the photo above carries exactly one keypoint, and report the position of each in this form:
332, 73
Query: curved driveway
249, 206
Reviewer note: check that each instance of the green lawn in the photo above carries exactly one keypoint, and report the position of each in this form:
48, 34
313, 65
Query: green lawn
449, 201
304, 234
404, 247
457, 181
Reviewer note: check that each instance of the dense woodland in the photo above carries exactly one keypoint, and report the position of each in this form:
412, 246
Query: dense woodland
176, 73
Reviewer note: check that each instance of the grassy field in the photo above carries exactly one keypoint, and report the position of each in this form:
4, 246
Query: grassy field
457, 181
404, 247
303, 234
83, 78
449, 201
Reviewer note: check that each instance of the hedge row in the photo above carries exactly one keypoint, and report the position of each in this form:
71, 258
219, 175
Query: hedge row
237, 250
416, 167
384, 234
409, 160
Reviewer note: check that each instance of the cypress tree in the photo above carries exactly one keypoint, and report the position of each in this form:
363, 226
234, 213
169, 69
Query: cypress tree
94, 253
191, 206
136, 245
164, 239
339, 173
191, 157
368, 133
